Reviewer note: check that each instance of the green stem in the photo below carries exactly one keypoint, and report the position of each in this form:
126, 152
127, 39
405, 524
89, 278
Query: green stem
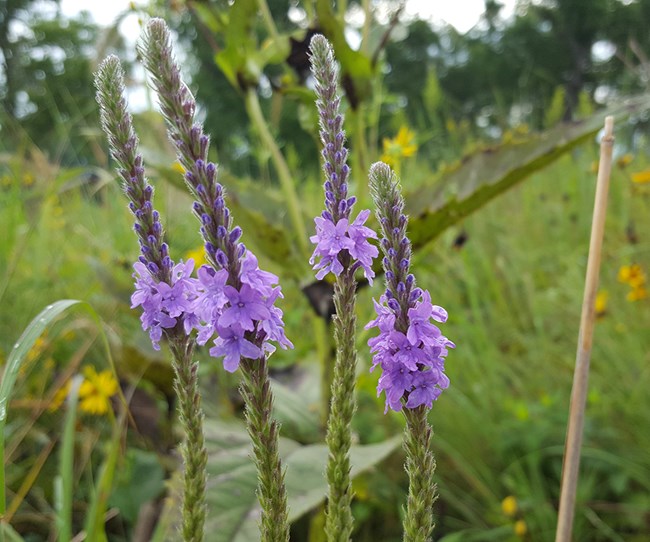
339, 520
284, 175
420, 466
193, 451
264, 432
361, 153
268, 19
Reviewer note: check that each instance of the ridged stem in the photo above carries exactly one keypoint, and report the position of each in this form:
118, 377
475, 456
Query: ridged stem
193, 451
264, 432
420, 466
339, 520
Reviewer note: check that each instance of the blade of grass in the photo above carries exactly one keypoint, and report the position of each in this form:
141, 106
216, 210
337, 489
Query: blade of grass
19, 353
95, 517
64, 482
571, 464
16, 357
29, 480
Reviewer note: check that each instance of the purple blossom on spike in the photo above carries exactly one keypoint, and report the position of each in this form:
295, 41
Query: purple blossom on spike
340, 244
410, 348
234, 297
164, 305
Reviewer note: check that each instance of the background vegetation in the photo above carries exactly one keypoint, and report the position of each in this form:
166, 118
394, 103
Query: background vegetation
512, 104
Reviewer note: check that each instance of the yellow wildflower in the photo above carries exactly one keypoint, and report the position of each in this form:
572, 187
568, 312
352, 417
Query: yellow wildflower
600, 304
625, 160
637, 294
520, 528
632, 275
402, 146
96, 390
509, 506
641, 177
198, 255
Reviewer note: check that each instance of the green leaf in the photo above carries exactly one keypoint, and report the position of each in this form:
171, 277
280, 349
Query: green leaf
484, 175
232, 479
141, 480
297, 402
236, 59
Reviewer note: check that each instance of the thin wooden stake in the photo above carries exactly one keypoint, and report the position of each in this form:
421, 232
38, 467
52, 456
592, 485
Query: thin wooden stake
573, 443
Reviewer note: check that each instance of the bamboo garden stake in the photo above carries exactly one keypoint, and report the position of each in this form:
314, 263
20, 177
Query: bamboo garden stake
581, 374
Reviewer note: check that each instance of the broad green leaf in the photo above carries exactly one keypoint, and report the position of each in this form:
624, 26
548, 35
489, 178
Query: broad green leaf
140, 480
236, 59
297, 403
481, 177
232, 479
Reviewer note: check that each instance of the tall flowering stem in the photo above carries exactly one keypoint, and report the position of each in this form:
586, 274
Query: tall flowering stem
164, 290
341, 248
238, 298
410, 350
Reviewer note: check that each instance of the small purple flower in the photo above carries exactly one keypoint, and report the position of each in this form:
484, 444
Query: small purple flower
233, 346
164, 304
246, 305
251, 274
420, 327
426, 389
362, 250
339, 243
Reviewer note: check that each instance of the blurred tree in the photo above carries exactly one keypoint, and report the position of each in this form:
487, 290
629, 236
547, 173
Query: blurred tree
48, 93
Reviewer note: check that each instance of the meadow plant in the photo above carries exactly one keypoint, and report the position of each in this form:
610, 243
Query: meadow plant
231, 297
410, 350
232, 302
342, 247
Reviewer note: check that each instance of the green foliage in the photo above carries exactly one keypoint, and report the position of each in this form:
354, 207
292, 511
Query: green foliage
512, 284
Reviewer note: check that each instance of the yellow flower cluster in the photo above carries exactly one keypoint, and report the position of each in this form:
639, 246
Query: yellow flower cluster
510, 508
402, 146
635, 278
95, 392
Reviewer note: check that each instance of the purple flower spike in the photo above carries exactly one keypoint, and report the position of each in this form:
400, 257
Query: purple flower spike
340, 245
410, 348
234, 297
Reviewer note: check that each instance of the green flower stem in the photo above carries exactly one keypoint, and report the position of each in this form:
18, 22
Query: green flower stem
264, 432
284, 175
193, 451
339, 521
268, 19
420, 466
360, 152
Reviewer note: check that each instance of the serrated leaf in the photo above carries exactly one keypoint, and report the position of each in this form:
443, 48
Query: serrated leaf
481, 177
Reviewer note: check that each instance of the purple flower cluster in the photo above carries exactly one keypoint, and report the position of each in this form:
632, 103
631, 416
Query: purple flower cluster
163, 304
244, 319
410, 348
333, 240
337, 240
413, 363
